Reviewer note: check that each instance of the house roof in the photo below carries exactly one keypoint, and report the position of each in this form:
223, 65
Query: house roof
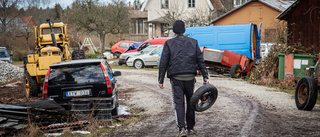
146, 2
279, 5
27, 19
284, 13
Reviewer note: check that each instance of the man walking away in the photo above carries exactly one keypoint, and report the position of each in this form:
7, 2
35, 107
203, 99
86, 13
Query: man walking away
181, 57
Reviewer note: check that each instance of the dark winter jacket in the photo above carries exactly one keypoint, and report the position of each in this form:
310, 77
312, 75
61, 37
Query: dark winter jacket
181, 55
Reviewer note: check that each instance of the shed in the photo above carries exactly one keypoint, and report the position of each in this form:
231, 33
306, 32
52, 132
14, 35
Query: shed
303, 19
257, 11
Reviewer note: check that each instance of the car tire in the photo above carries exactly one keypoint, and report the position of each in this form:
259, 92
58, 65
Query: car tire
204, 97
138, 64
117, 54
115, 111
30, 85
235, 70
78, 54
306, 93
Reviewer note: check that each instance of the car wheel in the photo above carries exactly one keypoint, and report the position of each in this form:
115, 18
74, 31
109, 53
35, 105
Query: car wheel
306, 93
31, 85
138, 64
235, 70
204, 97
117, 54
115, 111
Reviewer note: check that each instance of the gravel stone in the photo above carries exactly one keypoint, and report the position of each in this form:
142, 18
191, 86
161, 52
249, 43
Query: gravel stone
10, 73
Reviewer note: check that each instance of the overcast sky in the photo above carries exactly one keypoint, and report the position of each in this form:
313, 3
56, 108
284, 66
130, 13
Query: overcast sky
65, 3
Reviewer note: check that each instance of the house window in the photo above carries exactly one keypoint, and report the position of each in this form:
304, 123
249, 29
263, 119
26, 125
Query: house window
191, 3
237, 3
139, 27
164, 4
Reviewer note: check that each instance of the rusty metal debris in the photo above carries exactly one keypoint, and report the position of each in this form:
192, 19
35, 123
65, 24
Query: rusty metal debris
61, 126
44, 113
16, 116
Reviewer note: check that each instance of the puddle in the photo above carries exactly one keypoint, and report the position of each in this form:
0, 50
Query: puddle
123, 110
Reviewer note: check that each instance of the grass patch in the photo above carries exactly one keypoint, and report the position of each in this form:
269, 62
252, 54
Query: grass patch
17, 62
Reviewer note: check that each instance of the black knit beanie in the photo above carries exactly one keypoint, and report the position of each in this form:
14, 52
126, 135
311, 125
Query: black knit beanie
178, 27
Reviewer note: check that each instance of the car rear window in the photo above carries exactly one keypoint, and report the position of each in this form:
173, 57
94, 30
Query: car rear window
76, 74
3, 53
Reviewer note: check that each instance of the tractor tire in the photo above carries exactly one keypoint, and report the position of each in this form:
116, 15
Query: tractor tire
204, 97
306, 93
78, 54
30, 85
235, 70
138, 64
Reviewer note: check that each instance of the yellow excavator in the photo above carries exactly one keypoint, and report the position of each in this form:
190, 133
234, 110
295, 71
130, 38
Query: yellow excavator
52, 46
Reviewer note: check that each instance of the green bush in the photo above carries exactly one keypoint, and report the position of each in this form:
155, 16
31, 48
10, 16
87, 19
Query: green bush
94, 56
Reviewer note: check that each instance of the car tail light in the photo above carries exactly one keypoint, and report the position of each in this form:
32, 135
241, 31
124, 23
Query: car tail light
45, 85
108, 82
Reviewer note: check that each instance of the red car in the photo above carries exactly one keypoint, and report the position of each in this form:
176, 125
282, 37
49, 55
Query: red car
118, 48
154, 41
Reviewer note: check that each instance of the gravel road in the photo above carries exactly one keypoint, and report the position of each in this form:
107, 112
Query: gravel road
241, 109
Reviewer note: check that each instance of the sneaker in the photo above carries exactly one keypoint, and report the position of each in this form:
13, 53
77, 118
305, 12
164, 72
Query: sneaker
191, 132
182, 133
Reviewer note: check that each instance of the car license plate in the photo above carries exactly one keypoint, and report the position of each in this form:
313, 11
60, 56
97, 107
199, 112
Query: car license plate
78, 93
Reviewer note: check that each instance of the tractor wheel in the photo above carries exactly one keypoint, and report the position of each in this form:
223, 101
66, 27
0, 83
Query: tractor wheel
30, 85
235, 70
78, 54
306, 93
138, 64
204, 97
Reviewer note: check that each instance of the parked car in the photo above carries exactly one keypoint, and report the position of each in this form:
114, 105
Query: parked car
133, 46
118, 48
4, 55
86, 86
152, 41
145, 60
125, 56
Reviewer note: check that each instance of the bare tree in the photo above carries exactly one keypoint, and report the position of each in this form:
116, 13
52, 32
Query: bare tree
90, 16
8, 14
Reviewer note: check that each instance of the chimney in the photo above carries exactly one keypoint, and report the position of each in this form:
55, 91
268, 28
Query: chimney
129, 5
134, 5
138, 8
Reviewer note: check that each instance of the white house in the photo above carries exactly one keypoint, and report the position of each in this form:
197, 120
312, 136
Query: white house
180, 9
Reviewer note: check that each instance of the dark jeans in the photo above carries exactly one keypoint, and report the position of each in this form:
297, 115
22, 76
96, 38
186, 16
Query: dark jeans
179, 89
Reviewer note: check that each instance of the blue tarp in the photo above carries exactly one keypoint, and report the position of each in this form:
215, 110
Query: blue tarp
133, 46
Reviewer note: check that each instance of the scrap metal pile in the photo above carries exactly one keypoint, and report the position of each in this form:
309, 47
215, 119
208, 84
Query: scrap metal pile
17, 116
9, 72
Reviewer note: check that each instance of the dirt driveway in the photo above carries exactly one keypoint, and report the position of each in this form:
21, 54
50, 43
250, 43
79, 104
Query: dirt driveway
242, 109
